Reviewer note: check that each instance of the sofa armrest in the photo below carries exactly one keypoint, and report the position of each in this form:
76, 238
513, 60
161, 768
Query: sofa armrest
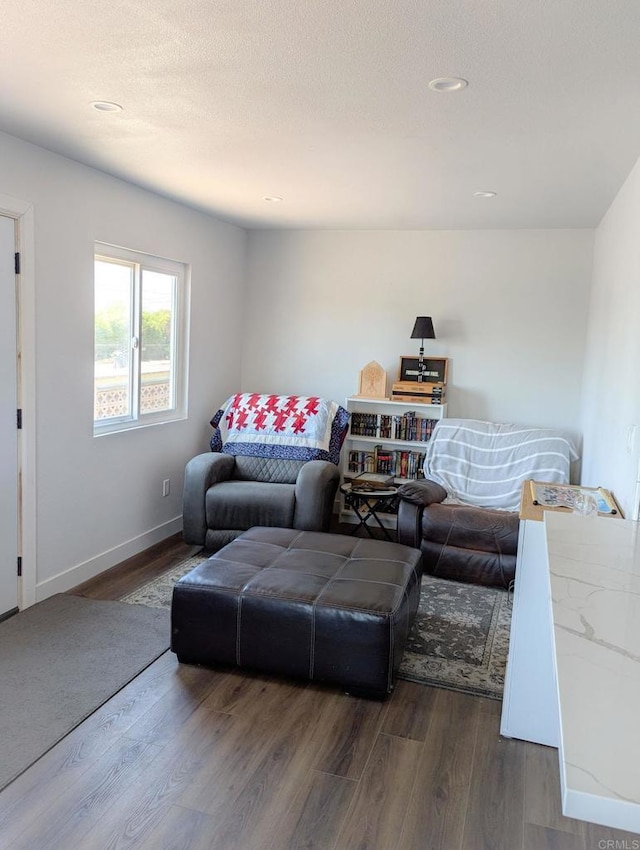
201, 472
415, 496
315, 493
423, 492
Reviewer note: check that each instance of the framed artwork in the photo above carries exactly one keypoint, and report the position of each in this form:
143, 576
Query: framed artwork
573, 496
434, 369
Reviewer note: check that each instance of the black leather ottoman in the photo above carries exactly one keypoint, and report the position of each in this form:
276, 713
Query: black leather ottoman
325, 607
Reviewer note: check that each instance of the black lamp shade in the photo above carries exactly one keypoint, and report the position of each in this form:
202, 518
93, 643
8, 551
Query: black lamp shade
423, 328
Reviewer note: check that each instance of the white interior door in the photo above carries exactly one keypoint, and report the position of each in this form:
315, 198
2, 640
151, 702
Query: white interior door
8, 430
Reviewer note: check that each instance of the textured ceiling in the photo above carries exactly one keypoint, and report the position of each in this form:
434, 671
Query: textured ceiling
325, 103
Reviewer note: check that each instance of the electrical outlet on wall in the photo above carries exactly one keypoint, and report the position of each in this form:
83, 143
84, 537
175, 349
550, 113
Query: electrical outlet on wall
166, 486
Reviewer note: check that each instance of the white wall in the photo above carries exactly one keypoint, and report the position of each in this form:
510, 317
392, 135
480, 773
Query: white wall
612, 384
303, 311
509, 309
99, 499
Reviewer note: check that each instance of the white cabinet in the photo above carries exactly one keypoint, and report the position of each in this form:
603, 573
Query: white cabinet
387, 436
529, 704
530, 701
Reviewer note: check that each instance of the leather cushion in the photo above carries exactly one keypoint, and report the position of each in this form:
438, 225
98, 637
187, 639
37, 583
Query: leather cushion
242, 504
495, 569
471, 528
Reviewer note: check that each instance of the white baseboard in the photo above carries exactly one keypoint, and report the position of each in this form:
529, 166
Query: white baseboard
94, 566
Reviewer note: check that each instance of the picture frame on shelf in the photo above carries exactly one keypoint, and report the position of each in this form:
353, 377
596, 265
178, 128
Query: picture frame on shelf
434, 369
573, 497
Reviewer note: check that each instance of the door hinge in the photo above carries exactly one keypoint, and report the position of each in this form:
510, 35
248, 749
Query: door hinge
19, 418
19, 566
17, 262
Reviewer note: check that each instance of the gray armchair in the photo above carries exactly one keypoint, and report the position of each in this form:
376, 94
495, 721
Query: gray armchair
273, 462
225, 495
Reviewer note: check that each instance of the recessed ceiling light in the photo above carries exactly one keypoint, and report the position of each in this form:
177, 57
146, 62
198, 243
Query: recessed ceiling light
484, 194
106, 106
448, 84
273, 198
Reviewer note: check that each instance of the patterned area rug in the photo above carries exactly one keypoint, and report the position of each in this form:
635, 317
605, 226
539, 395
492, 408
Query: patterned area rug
459, 639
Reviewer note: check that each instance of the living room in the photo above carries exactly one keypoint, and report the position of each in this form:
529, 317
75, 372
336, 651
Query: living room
538, 320
534, 307
534, 323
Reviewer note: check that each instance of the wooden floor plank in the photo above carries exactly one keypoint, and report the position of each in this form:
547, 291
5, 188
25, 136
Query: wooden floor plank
316, 814
495, 815
380, 803
357, 724
193, 686
82, 804
220, 782
543, 838
607, 838
439, 801
180, 829
144, 804
542, 799
250, 694
410, 710
250, 812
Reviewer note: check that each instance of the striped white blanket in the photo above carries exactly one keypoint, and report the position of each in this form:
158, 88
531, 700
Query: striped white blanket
484, 463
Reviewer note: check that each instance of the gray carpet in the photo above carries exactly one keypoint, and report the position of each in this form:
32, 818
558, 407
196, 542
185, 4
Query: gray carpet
59, 661
459, 640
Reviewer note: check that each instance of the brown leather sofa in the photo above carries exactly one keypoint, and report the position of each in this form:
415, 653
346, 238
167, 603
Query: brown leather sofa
479, 468
458, 542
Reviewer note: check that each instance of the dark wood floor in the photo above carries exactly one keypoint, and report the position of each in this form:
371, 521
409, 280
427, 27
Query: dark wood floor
186, 758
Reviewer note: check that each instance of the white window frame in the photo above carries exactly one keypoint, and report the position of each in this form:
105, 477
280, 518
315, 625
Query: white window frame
180, 271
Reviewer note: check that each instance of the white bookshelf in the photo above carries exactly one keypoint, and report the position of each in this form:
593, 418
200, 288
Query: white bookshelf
377, 409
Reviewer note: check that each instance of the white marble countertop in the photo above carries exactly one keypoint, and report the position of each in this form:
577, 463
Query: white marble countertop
594, 566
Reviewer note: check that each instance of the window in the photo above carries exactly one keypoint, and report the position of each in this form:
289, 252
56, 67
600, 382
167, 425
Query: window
139, 339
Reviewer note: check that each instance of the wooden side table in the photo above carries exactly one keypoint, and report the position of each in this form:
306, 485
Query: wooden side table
368, 503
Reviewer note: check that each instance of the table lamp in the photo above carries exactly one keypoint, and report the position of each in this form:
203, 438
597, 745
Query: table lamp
423, 329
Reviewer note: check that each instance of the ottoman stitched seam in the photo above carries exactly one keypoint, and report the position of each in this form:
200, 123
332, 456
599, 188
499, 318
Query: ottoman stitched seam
238, 627
316, 601
312, 649
298, 572
390, 668
313, 610
254, 593
297, 537
239, 621
295, 572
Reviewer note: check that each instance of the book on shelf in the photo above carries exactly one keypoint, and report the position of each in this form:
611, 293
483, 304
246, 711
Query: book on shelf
370, 481
427, 393
412, 428
384, 426
395, 463
364, 424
